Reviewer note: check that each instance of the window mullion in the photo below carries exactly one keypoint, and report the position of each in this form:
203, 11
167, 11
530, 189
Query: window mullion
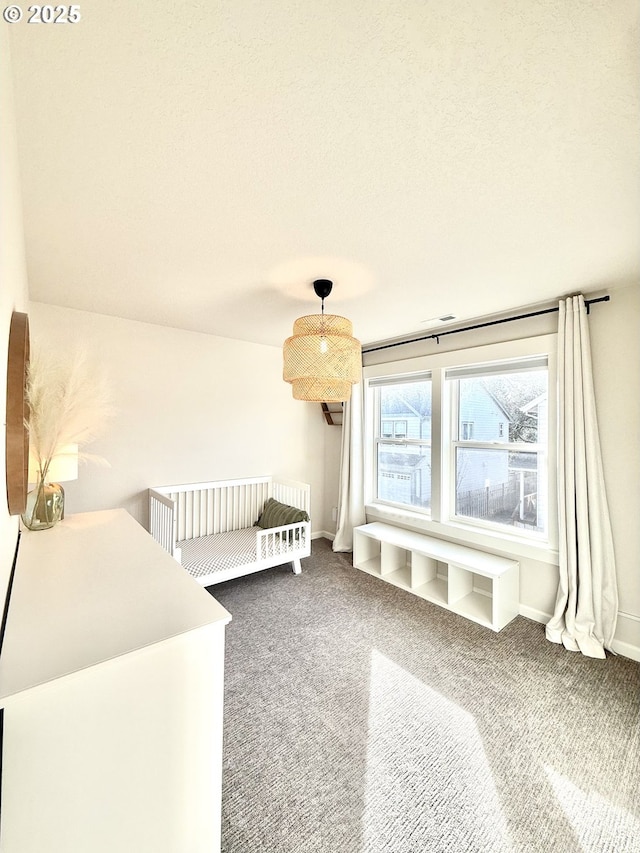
437, 387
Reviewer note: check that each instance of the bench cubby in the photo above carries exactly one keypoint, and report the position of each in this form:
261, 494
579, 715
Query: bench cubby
481, 587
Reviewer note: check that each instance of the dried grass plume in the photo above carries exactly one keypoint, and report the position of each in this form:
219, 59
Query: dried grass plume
70, 402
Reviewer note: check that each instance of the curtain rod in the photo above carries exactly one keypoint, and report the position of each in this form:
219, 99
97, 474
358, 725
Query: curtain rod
436, 336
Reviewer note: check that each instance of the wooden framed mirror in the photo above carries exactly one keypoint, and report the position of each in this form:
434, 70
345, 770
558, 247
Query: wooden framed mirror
17, 439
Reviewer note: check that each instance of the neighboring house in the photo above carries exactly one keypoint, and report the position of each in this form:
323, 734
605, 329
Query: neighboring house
481, 418
404, 470
538, 410
532, 503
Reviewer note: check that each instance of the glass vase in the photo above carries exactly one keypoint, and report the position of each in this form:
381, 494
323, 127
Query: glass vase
45, 506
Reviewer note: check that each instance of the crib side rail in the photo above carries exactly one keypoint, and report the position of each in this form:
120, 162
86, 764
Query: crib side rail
162, 520
212, 484
287, 541
292, 492
205, 509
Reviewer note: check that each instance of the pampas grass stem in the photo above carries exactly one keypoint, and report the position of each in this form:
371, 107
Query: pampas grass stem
69, 402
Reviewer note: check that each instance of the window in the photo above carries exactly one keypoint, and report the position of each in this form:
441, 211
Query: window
464, 441
399, 429
403, 442
394, 429
497, 478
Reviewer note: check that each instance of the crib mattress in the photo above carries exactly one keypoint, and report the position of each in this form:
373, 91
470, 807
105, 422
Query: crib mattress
218, 552
221, 551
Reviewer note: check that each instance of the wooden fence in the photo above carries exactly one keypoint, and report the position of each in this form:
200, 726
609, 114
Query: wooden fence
498, 502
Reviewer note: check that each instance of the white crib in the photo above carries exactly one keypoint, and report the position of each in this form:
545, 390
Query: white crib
210, 528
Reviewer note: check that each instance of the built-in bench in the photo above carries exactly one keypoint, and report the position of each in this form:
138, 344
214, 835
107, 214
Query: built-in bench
479, 586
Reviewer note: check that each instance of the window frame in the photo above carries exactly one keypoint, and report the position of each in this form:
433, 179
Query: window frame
441, 521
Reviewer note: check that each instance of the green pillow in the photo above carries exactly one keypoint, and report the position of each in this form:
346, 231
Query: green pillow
276, 514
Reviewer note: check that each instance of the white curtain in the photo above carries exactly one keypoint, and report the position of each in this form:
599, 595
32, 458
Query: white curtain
351, 491
587, 601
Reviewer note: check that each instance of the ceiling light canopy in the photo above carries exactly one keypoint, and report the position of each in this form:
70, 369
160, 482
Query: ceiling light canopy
321, 359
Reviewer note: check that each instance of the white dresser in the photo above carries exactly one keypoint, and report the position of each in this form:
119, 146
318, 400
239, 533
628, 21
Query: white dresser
111, 685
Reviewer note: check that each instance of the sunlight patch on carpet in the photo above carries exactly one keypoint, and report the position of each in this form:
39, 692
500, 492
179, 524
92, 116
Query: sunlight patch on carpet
597, 823
437, 785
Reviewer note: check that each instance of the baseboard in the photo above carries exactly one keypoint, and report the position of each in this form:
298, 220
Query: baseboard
323, 534
620, 647
626, 650
532, 613
630, 625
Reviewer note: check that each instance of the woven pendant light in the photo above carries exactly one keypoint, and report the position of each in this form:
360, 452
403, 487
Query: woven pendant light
321, 359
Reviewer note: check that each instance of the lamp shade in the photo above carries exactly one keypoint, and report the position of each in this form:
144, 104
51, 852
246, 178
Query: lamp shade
321, 359
62, 468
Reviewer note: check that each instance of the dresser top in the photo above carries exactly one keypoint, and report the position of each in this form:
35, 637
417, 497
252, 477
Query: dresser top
94, 587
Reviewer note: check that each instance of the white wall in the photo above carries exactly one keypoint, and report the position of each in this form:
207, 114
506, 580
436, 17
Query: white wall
332, 446
190, 408
615, 337
13, 280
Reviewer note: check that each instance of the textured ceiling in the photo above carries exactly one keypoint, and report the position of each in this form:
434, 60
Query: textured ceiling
198, 164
